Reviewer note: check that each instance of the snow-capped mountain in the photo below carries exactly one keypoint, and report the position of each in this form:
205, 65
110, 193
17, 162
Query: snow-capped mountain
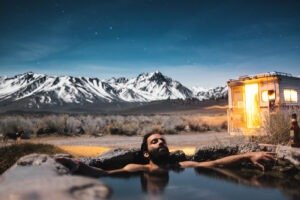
219, 92
150, 87
40, 89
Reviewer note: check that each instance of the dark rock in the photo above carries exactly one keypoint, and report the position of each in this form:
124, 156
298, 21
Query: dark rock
267, 147
32, 159
26, 135
46, 131
288, 158
178, 156
62, 155
115, 159
290, 154
118, 158
214, 152
248, 147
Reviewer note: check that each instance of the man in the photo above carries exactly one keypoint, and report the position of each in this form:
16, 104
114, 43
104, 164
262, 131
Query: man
155, 150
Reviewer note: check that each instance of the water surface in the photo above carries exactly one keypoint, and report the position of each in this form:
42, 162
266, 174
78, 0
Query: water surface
200, 184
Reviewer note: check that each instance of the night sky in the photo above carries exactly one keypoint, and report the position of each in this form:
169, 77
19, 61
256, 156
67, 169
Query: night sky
202, 43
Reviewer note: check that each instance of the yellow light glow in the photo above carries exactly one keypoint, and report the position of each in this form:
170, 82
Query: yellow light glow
252, 106
290, 95
265, 96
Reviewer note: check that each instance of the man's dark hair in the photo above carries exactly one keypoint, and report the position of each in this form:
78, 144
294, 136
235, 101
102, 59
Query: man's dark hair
144, 145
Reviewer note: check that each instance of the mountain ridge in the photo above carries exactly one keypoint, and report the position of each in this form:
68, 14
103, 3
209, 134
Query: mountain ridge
36, 90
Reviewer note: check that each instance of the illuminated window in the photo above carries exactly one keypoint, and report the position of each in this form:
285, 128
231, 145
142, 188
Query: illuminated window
264, 96
267, 95
290, 95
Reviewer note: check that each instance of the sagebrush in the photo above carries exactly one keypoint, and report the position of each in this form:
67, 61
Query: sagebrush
111, 124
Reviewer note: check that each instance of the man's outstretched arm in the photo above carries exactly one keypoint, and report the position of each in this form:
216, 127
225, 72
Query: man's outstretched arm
253, 157
81, 168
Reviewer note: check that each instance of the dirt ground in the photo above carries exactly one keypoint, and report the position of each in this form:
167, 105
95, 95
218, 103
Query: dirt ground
113, 141
92, 146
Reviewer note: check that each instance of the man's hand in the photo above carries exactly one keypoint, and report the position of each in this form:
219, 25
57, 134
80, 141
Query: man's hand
256, 157
78, 167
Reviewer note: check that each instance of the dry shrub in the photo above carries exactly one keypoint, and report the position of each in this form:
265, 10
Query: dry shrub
55, 124
9, 125
112, 124
199, 123
121, 131
121, 125
14, 124
93, 125
277, 128
73, 125
171, 124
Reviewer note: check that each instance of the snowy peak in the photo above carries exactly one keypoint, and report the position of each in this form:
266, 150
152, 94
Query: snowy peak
213, 93
117, 80
39, 89
157, 77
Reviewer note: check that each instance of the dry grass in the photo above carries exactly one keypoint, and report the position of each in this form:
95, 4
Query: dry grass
206, 123
111, 125
11, 153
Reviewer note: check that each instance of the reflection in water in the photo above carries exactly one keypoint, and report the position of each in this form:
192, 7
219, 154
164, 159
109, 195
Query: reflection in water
154, 183
289, 183
209, 184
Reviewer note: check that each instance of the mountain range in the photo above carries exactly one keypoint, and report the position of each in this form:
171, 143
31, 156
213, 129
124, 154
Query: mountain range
32, 90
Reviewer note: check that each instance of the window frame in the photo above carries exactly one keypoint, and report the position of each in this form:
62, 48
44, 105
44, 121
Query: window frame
267, 95
290, 100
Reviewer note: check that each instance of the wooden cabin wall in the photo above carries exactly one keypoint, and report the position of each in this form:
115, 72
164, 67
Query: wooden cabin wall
236, 113
268, 85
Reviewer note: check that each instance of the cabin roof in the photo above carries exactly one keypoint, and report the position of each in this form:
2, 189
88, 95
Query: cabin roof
262, 75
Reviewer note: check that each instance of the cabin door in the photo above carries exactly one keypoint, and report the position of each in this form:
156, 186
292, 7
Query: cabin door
252, 110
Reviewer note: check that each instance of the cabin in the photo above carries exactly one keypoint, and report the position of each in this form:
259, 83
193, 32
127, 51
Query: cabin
253, 99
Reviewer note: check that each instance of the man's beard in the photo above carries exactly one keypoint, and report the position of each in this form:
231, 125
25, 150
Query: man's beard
159, 155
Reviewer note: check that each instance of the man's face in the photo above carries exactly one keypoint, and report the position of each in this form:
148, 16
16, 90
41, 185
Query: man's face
157, 148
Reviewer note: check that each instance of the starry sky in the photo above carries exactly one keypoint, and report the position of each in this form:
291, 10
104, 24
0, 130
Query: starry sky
199, 43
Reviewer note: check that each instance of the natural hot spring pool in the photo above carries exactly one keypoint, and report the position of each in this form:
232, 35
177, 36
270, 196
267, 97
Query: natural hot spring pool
203, 184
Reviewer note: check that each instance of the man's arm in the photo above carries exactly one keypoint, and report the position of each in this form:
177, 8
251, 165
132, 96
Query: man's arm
81, 168
253, 157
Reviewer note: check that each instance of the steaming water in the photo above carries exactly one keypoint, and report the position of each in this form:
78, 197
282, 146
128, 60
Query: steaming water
190, 185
